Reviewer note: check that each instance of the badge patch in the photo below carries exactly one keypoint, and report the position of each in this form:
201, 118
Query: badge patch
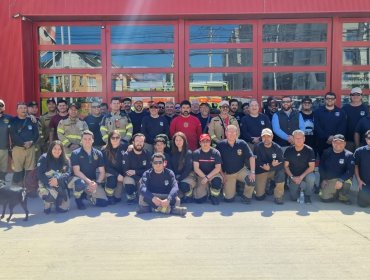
95, 157
161, 123
144, 162
273, 156
262, 122
29, 127
337, 114
239, 152
362, 113
341, 161
166, 182
186, 124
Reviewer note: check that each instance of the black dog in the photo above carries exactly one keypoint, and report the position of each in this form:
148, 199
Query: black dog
12, 195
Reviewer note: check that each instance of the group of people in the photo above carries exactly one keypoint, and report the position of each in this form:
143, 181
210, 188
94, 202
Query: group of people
163, 156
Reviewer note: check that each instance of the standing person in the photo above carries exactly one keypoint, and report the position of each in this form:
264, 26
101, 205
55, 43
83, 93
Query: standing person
62, 114
135, 163
218, 124
245, 109
93, 121
329, 121
116, 120
53, 171
5, 120
269, 166
362, 167
177, 109
207, 166
158, 189
89, 173
285, 121
204, 116
137, 115
113, 157
195, 108
187, 124
252, 125
271, 108
71, 129
236, 156
234, 110
361, 128
336, 171
23, 134
299, 164
104, 109
182, 166
161, 108
169, 111
125, 106
45, 121
307, 115
354, 111
153, 125
32, 111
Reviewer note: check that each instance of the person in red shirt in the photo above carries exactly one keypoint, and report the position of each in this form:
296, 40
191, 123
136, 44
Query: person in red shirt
187, 124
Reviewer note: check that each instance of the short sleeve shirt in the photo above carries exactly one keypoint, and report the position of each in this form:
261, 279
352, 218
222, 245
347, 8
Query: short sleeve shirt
299, 160
207, 160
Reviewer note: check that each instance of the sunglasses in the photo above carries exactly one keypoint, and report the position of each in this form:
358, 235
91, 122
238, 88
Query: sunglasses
160, 107
115, 138
367, 138
330, 98
355, 94
95, 106
1, 105
157, 162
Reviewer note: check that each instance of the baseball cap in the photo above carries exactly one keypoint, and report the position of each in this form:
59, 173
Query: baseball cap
306, 99
160, 139
204, 137
50, 100
74, 105
153, 105
356, 90
266, 131
138, 100
32, 103
339, 137
224, 103
204, 104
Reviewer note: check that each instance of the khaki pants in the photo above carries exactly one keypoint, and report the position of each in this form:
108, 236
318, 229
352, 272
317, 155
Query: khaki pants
330, 193
92, 196
23, 159
202, 190
230, 184
261, 181
191, 180
4, 156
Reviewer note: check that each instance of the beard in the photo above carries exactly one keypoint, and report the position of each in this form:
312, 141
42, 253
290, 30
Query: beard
185, 113
138, 148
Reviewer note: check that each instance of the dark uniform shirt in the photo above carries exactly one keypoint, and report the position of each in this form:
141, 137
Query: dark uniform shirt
88, 163
299, 160
151, 127
138, 162
363, 126
23, 130
136, 120
187, 167
235, 157
252, 126
53, 168
329, 123
207, 160
114, 166
362, 160
336, 165
266, 155
158, 183
354, 114
204, 122
4, 131
94, 126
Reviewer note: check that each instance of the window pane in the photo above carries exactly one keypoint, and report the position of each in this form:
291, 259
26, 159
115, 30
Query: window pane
294, 81
356, 31
71, 83
142, 58
356, 79
220, 81
142, 34
296, 32
294, 57
70, 59
69, 35
356, 56
143, 82
227, 33
84, 102
221, 58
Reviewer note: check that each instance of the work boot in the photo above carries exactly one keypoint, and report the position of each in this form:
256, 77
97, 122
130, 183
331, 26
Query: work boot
179, 211
47, 211
186, 199
215, 200
80, 204
246, 200
143, 209
111, 200
279, 200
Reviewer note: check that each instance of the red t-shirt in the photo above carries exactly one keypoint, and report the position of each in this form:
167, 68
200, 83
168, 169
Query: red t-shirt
190, 126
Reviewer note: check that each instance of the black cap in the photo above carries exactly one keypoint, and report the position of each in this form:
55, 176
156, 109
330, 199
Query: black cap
339, 137
204, 104
32, 103
50, 100
306, 99
160, 139
74, 105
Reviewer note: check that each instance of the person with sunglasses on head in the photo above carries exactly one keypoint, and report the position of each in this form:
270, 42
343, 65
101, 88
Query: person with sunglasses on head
93, 121
113, 157
355, 111
329, 121
4, 140
362, 168
158, 189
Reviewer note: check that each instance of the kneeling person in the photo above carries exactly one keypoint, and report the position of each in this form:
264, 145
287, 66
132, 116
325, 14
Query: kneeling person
85, 161
158, 189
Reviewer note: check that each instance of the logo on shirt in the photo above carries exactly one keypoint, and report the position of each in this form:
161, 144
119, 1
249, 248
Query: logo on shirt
239, 152
186, 124
166, 182
123, 162
262, 122
95, 157
341, 161
299, 154
6, 121
161, 123
144, 162
29, 127
362, 113
273, 156
337, 114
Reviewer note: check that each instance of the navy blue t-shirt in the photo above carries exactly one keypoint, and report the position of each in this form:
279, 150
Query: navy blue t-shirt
354, 114
88, 163
336, 165
362, 160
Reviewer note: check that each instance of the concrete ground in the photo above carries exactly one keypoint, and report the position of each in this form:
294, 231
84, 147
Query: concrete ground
229, 241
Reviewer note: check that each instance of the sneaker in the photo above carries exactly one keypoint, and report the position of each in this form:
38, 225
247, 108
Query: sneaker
279, 200
246, 200
143, 209
179, 211
215, 200
307, 199
47, 211
111, 200
80, 204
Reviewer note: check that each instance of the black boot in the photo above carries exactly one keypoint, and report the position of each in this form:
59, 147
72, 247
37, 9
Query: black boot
80, 204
